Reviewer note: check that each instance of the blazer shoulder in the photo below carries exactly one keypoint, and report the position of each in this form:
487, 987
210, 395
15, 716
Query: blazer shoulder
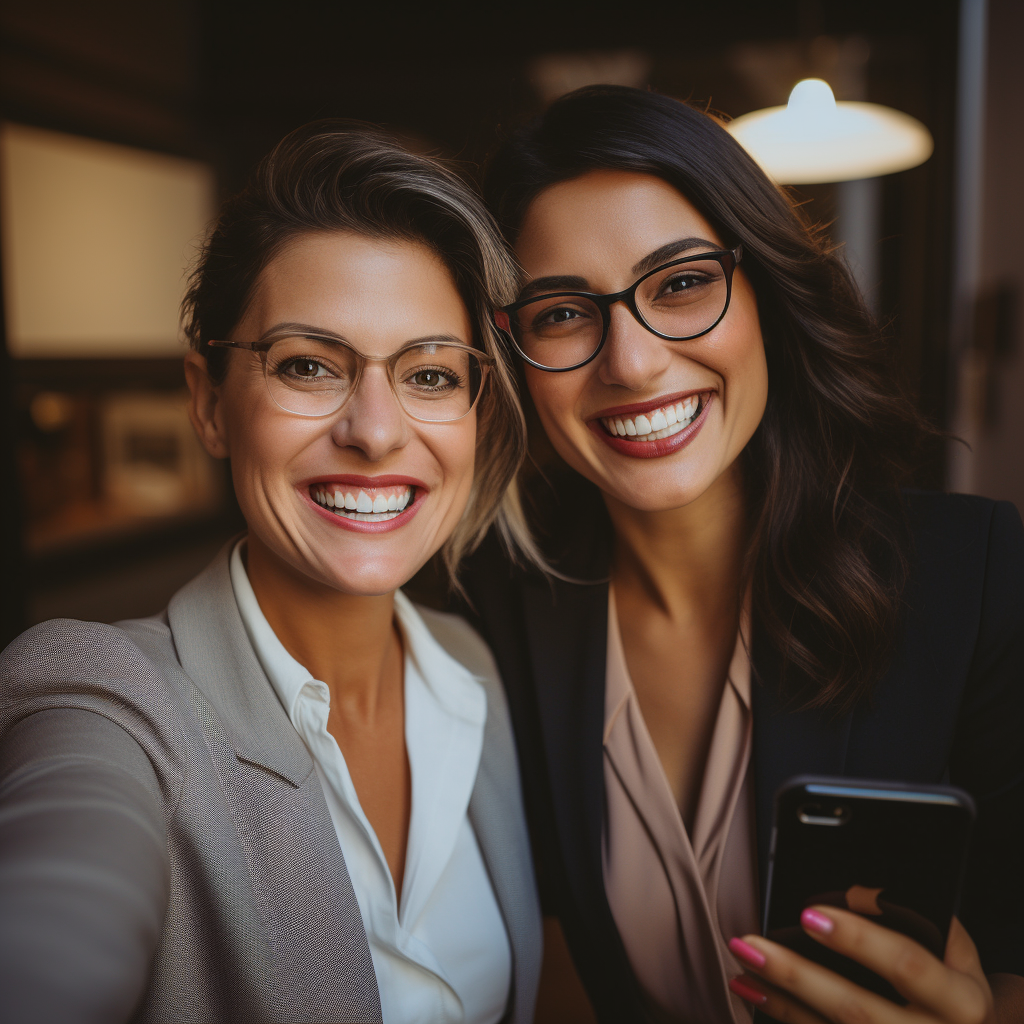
959, 517
462, 642
960, 539
93, 666
65, 647
470, 650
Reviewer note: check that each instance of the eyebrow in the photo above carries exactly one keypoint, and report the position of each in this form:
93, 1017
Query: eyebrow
663, 254
669, 251
558, 283
323, 332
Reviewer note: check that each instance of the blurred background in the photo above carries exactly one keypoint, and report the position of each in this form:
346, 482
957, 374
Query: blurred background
123, 123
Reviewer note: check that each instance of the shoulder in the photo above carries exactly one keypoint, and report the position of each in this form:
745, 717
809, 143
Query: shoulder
71, 648
959, 665
461, 641
962, 519
966, 550
468, 648
127, 673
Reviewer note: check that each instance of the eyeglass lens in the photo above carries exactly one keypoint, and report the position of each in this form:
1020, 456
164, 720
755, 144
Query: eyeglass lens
315, 377
682, 301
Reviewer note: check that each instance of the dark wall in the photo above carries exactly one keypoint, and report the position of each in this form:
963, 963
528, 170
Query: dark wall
222, 80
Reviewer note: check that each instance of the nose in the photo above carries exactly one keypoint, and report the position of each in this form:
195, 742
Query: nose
372, 420
632, 357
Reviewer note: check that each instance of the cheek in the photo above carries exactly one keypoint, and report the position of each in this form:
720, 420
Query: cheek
456, 454
751, 375
261, 447
555, 396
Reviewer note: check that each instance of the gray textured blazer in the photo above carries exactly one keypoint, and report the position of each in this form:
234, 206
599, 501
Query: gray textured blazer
166, 853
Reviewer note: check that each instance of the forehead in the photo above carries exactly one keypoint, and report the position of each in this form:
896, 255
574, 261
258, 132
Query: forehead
605, 218
373, 292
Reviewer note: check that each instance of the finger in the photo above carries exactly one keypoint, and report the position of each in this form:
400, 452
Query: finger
919, 977
961, 953
773, 1002
828, 994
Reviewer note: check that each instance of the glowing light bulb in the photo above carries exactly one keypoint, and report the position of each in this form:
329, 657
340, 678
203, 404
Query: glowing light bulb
811, 98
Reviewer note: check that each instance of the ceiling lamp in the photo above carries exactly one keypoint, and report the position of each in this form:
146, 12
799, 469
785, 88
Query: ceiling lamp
814, 139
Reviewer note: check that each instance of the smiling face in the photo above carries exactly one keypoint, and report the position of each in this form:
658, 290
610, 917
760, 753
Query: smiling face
655, 424
359, 499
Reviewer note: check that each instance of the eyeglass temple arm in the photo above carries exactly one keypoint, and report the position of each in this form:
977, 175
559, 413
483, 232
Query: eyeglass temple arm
250, 345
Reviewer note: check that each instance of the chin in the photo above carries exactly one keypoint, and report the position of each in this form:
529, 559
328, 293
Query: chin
372, 577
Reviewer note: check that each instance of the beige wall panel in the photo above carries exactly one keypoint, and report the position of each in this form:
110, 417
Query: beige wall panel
96, 242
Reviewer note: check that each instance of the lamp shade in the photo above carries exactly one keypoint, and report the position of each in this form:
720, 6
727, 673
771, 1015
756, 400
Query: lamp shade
815, 139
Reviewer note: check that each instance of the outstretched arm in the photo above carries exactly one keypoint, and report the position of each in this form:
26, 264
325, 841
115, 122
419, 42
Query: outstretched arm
84, 869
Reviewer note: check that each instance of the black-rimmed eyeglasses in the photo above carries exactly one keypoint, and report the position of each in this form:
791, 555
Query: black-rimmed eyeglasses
677, 301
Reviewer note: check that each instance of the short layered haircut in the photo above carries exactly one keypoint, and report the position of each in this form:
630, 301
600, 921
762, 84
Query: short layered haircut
337, 175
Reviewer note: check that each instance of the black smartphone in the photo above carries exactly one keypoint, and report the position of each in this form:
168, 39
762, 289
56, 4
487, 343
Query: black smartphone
893, 852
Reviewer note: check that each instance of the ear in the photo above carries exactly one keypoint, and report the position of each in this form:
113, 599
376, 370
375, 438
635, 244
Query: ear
204, 408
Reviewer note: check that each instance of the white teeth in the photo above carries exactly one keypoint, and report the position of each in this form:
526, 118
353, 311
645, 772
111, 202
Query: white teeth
361, 506
663, 422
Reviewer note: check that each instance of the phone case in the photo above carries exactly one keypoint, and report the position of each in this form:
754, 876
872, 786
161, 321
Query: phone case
895, 852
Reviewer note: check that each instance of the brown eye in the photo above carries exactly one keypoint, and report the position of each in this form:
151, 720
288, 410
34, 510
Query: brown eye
429, 379
302, 369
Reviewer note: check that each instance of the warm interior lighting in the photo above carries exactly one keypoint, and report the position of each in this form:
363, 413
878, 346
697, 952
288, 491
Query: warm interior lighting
96, 238
814, 139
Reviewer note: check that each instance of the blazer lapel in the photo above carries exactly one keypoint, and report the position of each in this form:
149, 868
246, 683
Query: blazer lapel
215, 652
497, 820
567, 627
296, 864
787, 743
567, 632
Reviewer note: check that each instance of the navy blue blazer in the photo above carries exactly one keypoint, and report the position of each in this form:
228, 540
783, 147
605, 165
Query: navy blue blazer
950, 708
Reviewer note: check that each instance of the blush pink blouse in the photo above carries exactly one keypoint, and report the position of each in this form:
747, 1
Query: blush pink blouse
677, 898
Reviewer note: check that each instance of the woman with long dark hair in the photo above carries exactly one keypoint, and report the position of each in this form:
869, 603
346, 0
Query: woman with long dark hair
743, 591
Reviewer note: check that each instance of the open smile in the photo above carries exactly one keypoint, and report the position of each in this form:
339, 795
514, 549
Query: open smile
366, 502
370, 505
664, 421
654, 428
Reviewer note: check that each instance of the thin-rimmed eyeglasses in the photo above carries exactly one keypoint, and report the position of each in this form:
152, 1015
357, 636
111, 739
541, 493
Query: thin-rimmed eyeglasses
313, 374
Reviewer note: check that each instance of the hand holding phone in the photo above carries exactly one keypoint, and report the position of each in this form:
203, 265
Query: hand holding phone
890, 859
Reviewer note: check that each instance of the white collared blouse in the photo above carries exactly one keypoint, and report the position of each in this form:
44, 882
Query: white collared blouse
443, 955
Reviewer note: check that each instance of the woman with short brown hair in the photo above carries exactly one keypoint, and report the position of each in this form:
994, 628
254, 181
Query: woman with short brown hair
293, 796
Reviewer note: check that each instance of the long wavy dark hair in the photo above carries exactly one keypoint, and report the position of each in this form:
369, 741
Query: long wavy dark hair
828, 544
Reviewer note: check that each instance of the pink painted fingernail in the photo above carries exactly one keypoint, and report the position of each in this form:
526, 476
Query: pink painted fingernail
816, 922
748, 992
746, 953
